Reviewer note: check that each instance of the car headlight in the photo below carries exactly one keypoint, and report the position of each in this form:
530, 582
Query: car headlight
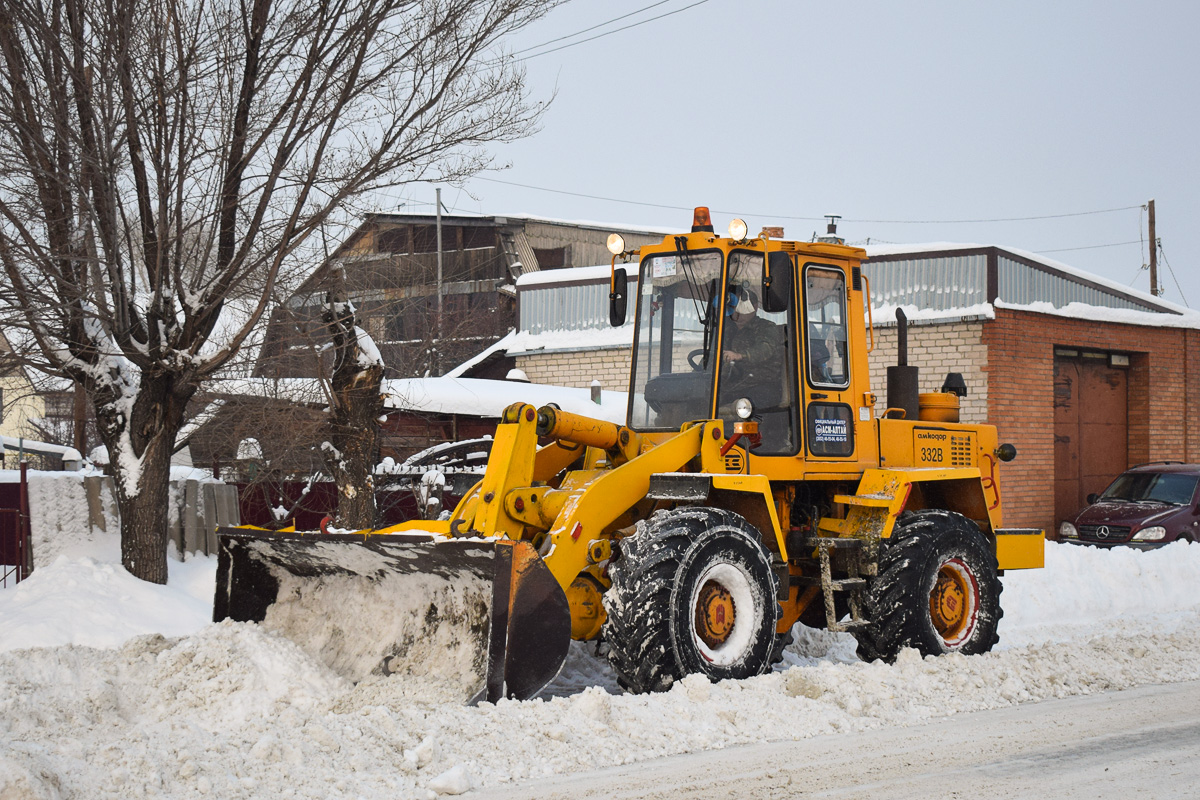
1067, 531
1152, 534
743, 408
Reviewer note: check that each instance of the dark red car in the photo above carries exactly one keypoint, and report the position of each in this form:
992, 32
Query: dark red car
1145, 507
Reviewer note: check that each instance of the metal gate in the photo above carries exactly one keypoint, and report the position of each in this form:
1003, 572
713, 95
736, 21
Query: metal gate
1091, 414
14, 547
16, 554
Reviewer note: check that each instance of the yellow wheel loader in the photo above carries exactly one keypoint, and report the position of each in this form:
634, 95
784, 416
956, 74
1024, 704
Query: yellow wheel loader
757, 482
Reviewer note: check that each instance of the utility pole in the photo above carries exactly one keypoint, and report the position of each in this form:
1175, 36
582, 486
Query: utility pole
1153, 254
437, 353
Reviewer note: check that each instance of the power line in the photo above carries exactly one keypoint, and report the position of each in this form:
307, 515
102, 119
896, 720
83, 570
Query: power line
629, 202
1142, 235
997, 219
1088, 247
609, 33
1163, 253
811, 219
594, 27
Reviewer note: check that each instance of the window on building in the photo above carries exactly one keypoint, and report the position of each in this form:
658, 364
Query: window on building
60, 405
393, 240
550, 258
425, 238
478, 237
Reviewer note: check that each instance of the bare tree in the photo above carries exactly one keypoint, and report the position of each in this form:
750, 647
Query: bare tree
355, 409
160, 158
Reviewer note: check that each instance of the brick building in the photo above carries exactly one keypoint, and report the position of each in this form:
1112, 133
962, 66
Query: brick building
1084, 376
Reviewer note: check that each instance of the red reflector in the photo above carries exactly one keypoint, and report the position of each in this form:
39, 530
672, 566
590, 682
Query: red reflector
577, 532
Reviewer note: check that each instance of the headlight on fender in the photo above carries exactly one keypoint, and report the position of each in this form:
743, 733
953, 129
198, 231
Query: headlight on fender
1067, 531
1155, 533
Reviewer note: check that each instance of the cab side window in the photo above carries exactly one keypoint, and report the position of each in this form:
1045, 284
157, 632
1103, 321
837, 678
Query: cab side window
825, 315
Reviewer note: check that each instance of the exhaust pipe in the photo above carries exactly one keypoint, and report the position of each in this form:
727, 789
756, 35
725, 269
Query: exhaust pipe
902, 380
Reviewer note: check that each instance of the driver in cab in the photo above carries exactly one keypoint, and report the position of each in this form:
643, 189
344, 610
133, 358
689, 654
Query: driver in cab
751, 345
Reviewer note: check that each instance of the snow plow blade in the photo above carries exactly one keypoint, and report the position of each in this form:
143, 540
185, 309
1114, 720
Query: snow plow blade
483, 616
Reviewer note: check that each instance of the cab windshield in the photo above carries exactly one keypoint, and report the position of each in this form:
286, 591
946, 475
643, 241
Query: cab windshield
675, 353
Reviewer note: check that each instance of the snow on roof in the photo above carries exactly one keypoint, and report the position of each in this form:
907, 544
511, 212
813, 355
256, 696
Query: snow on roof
296, 390
920, 247
598, 273
1150, 319
607, 226
445, 395
885, 316
488, 398
41, 448
502, 344
448, 219
581, 339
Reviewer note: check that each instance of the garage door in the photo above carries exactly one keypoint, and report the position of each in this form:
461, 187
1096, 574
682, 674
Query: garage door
1090, 427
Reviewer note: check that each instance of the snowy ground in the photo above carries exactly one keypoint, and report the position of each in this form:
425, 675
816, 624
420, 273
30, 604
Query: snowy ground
96, 703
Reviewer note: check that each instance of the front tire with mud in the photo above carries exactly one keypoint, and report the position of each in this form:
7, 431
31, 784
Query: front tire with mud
692, 592
937, 590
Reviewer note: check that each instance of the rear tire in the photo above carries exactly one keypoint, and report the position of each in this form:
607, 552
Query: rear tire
937, 590
692, 592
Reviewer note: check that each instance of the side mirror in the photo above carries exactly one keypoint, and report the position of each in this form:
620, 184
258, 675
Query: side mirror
618, 298
1092, 498
777, 288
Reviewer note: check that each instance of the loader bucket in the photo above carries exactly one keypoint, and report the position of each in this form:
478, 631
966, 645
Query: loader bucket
486, 617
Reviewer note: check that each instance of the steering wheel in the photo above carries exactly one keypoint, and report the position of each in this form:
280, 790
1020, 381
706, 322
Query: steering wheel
696, 359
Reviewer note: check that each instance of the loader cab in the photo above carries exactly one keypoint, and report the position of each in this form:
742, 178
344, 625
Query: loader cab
704, 339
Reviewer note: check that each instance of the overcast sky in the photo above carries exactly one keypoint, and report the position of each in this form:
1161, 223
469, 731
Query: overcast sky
878, 111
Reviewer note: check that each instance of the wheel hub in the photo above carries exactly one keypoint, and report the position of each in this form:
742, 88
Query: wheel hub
952, 603
714, 614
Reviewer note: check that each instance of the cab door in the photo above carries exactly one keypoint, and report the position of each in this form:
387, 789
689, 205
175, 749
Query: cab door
829, 409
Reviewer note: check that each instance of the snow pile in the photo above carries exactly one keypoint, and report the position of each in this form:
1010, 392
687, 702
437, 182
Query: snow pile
90, 600
1087, 591
233, 711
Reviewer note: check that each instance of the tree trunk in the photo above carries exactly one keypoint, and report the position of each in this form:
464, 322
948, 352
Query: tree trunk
357, 404
144, 516
139, 447
354, 433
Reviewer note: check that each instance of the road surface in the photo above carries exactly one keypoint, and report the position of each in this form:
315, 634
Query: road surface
1139, 743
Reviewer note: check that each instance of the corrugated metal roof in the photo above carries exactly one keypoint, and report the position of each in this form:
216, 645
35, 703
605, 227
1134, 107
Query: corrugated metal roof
1022, 284
573, 306
936, 283
943, 276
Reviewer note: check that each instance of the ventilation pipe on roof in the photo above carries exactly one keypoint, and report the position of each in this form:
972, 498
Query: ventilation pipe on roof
831, 234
